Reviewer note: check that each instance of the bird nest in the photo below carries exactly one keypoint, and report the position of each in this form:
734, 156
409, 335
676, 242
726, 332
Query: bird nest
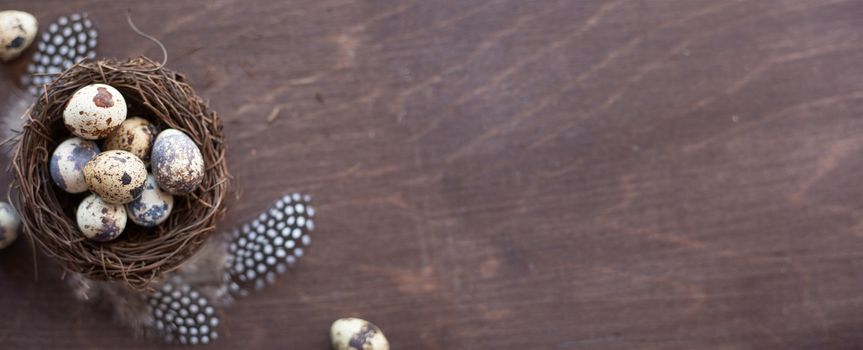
140, 255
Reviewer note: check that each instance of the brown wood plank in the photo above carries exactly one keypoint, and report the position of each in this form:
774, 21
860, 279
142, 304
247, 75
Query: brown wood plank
558, 174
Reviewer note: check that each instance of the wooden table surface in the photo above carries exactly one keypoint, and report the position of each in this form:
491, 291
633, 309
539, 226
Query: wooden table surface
656, 174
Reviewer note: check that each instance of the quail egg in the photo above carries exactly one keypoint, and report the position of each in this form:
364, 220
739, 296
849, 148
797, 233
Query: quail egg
17, 31
116, 176
177, 162
68, 161
94, 111
9, 223
153, 207
135, 135
99, 220
357, 334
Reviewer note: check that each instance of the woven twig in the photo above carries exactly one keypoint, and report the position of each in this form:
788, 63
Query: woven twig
140, 255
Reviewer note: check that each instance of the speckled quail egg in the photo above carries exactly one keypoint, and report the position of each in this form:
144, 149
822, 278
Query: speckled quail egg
9, 223
116, 176
357, 334
135, 135
99, 220
177, 162
17, 31
153, 207
68, 161
94, 111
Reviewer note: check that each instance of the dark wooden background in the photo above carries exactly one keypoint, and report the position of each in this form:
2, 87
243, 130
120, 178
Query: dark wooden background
663, 174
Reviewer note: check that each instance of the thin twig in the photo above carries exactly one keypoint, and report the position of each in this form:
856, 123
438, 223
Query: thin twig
153, 39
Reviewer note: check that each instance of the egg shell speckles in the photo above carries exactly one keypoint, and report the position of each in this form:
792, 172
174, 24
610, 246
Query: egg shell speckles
177, 162
116, 176
9, 223
94, 111
99, 220
17, 31
357, 334
135, 135
68, 161
153, 207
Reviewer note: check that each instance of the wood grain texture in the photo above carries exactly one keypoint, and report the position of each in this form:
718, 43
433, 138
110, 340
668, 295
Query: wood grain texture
667, 174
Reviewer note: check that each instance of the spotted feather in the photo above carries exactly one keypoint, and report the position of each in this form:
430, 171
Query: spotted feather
264, 248
66, 41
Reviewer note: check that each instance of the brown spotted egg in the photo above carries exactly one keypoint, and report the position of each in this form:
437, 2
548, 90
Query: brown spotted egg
357, 334
135, 135
99, 220
94, 111
116, 176
153, 207
68, 161
9, 223
17, 31
177, 162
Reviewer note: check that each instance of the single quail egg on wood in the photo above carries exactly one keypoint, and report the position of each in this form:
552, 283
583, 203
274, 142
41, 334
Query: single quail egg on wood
99, 220
17, 31
94, 111
9, 223
116, 176
177, 162
135, 135
68, 161
153, 207
357, 334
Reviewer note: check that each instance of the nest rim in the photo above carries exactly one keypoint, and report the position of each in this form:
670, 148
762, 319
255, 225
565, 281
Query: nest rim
139, 256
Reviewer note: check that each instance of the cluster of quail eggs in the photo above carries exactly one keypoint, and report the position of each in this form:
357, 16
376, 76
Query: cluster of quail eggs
115, 172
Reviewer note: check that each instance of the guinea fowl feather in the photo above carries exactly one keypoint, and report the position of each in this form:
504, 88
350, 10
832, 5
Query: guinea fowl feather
183, 308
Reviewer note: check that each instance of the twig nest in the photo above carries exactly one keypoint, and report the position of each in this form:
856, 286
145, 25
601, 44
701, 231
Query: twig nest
99, 220
94, 111
357, 334
153, 207
134, 135
177, 162
17, 31
116, 176
9, 223
139, 257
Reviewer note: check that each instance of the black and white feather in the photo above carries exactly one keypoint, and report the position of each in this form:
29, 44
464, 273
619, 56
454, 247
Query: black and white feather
182, 315
265, 247
66, 41
184, 307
